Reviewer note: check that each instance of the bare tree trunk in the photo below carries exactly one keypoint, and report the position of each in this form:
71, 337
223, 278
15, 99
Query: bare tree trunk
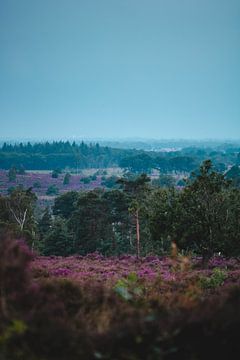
138, 234
19, 219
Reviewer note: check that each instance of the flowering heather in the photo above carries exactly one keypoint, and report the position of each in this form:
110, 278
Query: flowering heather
122, 308
40, 183
107, 270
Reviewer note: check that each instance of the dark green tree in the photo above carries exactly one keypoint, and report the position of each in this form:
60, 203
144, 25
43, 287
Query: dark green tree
66, 179
21, 170
4, 213
44, 226
55, 174
118, 205
65, 204
58, 240
90, 224
12, 174
141, 163
164, 181
202, 212
163, 204
110, 182
234, 175
52, 190
231, 224
136, 189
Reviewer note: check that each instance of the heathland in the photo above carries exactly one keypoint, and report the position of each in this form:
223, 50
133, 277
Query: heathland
118, 253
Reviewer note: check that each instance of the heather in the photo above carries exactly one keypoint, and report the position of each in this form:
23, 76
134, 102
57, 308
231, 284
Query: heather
93, 307
97, 268
40, 182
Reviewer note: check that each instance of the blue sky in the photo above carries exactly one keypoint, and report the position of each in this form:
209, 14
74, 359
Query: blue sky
120, 68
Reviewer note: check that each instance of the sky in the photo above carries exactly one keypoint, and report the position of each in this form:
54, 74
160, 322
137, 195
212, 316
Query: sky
120, 69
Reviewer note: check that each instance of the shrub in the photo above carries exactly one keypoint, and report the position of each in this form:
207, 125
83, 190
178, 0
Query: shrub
66, 179
216, 279
85, 180
128, 288
37, 185
52, 190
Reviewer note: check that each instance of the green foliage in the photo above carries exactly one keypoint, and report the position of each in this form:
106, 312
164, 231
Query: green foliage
58, 240
202, 210
21, 170
86, 180
162, 216
234, 175
18, 213
164, 181
216, 279
181, 182
66, 179
10, 189
17, 327
44, 226
55, 173
137, 190
52, 190
90, 223
65, 204
129, 288
202, 218
110, 182
37, 185
141, 163
12, 174
231, 223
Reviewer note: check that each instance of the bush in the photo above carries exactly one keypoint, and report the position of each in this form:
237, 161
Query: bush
216, 279
55, 174
85, 180
66, 179
52, 190
37, 185
60, 319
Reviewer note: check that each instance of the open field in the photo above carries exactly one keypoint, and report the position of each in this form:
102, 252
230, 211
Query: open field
41, 180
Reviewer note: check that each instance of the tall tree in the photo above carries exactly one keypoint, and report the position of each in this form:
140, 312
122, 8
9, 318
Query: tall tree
118, 205
12, 174
136, 189
202, 212
21, 204
90, 223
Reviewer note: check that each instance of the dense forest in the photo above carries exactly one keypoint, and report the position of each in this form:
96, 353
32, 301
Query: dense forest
48, 156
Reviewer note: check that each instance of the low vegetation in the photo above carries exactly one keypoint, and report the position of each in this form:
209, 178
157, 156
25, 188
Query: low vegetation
94, 307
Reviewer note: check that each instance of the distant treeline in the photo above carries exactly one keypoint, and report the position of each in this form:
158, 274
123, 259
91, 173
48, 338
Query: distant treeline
63, 154
48, 156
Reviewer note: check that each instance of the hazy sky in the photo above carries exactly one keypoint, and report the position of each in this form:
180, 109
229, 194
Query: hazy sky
120, 68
